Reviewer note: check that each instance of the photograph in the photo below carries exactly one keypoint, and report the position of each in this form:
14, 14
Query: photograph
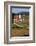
20, 21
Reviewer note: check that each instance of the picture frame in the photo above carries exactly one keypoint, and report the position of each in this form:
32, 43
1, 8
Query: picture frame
19, 22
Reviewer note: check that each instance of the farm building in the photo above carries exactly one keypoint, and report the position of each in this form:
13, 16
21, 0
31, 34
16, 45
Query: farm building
19, 13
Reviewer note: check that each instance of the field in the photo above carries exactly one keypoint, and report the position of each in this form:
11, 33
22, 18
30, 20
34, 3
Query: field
23, 29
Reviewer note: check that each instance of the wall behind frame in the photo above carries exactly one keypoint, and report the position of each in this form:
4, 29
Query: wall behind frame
22, 0
2, 22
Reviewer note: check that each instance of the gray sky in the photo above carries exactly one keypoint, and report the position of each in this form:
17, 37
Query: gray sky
17, 10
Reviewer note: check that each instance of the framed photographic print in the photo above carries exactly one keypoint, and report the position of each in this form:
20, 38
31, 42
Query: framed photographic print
19, 22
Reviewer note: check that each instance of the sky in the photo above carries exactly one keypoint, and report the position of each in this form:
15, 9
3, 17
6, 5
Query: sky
17, 10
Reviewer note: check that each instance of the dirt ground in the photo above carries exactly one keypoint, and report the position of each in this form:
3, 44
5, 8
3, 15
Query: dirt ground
20, 32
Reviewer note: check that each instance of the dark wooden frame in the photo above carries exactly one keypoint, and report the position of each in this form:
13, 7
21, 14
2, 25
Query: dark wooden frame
6, 15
